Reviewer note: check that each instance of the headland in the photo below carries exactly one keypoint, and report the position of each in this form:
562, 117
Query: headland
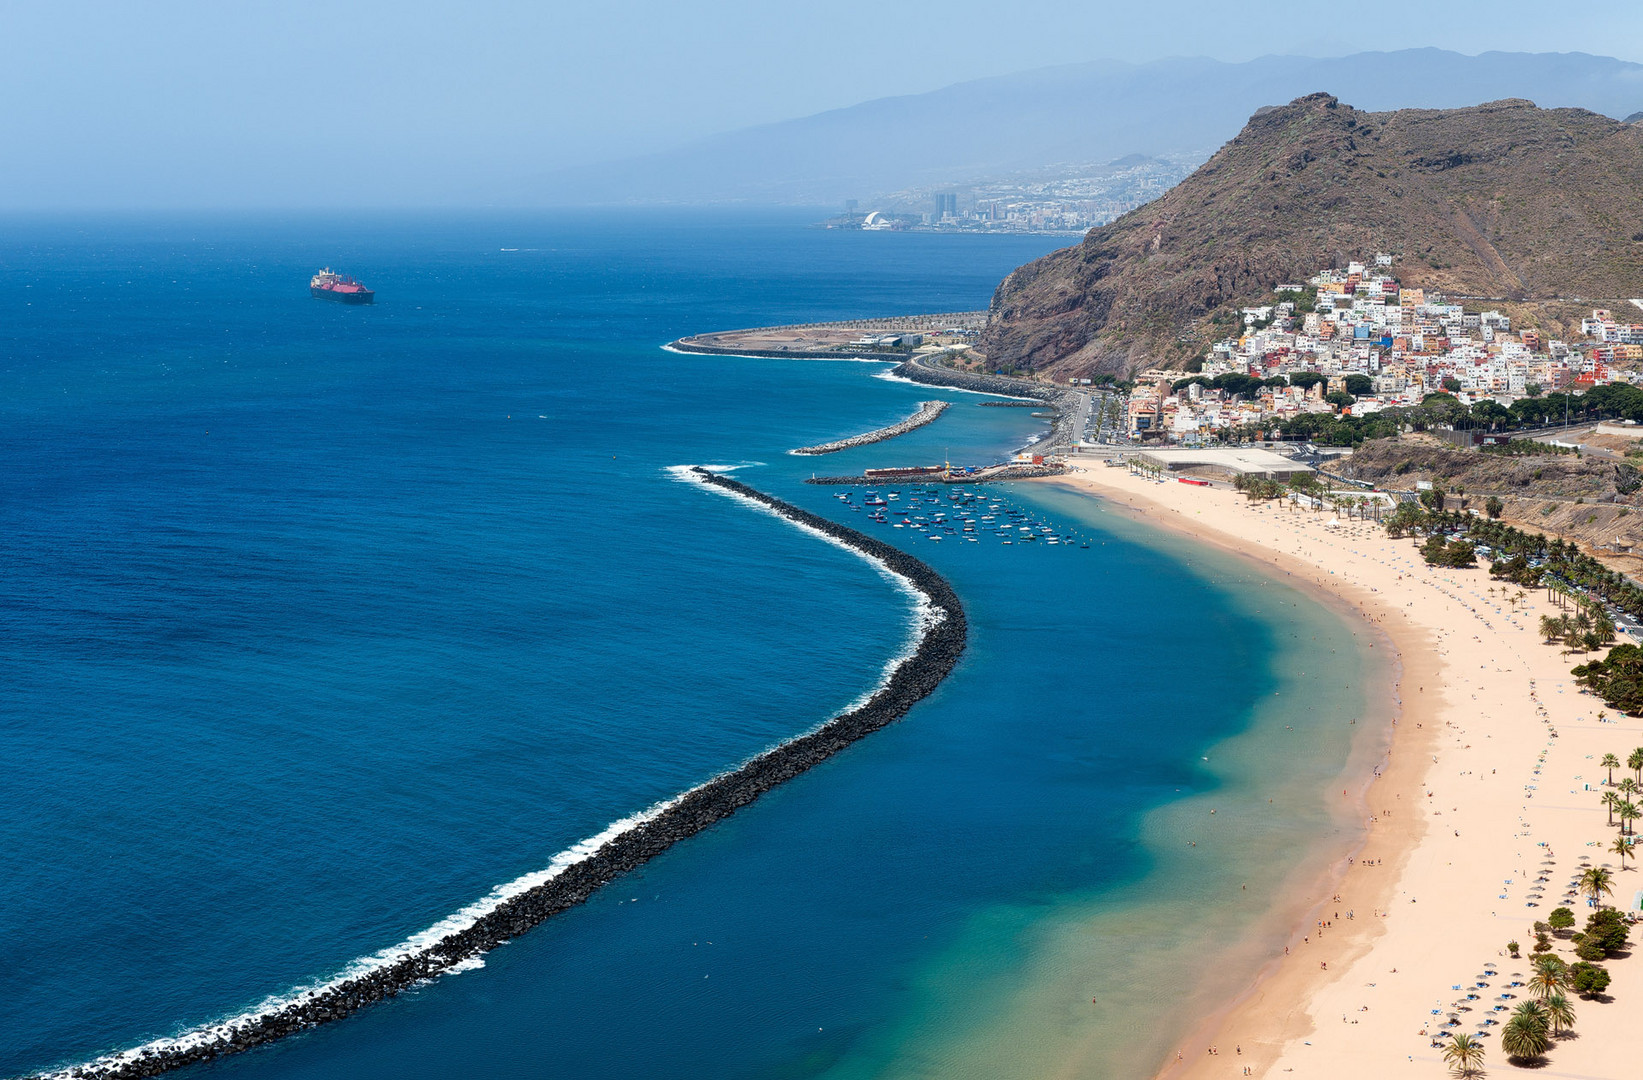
887, 338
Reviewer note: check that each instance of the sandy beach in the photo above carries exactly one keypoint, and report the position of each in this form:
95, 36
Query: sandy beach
1484, 815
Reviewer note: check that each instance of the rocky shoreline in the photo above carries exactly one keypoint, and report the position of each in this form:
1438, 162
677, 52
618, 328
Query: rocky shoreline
943, 639
927, 413
920, 370
685, 345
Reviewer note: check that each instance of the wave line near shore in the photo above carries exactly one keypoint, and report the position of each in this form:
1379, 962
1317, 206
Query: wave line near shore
457, 942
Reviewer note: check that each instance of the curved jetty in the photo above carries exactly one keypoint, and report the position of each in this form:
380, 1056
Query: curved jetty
576, 874
853, 339
924, 369
927, 412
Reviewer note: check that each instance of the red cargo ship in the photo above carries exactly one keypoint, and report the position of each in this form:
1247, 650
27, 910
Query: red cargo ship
329, 286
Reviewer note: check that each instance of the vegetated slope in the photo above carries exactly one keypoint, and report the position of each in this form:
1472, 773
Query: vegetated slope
1498, 200
1589, 500
1399, 463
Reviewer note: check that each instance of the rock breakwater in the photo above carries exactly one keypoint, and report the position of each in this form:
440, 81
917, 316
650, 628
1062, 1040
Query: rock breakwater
927, 413
1067, 402
578, 873
921, 369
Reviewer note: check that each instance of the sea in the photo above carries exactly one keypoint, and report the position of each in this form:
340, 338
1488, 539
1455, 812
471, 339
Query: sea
318, 623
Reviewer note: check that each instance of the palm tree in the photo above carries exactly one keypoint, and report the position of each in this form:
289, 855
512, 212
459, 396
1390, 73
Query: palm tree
1560, 1013
1551, 963
1623, 849
1610, 801
1550, 978
1464, 1054
1551, 628
1526, 1034
1634, 761
1628, 787
1611, 763
1597, 882
1628, 812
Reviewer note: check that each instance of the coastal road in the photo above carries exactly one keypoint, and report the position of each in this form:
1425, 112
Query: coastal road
1081, 415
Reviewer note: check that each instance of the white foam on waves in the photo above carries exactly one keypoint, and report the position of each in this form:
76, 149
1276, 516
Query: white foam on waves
891, 376
922, 618
796, 356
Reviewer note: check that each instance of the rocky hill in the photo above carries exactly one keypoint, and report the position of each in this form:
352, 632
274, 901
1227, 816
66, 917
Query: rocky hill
1500, 200
1399, 463
1595, 502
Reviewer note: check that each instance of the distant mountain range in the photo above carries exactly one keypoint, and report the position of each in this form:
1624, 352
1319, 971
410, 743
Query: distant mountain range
1074, 115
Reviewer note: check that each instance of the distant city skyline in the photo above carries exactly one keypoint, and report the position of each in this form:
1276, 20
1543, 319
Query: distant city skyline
181, 103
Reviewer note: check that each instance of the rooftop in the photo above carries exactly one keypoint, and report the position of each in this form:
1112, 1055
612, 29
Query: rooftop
1236, 460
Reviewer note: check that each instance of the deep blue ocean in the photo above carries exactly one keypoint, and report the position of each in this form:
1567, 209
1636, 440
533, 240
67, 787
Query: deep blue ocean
318, 622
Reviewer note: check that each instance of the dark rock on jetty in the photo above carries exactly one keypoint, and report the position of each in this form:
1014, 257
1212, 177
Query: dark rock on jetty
927, 412
938, 650
925, 370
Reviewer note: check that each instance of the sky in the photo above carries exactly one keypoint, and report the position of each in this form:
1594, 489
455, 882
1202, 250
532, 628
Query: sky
178, 103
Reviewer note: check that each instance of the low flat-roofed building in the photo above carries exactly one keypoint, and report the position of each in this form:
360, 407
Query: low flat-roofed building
1233, 460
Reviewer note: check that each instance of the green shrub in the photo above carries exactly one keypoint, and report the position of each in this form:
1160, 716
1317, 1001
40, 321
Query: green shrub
1606, 929
1588, 979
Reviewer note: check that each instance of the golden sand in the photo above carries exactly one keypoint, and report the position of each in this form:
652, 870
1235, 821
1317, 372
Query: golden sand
1493, 771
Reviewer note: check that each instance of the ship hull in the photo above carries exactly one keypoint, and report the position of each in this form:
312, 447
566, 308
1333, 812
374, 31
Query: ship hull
365, 296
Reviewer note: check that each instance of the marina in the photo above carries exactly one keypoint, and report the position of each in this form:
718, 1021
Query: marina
960, 514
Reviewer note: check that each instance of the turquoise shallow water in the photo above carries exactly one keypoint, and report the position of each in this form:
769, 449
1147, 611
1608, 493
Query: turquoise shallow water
322, 622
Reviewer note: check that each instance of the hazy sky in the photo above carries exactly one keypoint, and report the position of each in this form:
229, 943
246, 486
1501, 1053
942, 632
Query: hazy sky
173, 102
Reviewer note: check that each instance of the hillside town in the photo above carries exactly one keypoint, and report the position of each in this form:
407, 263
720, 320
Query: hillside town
1351, 342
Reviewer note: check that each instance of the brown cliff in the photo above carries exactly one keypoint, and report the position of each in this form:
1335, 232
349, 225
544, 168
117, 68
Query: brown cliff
1500, 200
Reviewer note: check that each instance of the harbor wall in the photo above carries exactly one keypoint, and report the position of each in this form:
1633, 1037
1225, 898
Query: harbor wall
927, 413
